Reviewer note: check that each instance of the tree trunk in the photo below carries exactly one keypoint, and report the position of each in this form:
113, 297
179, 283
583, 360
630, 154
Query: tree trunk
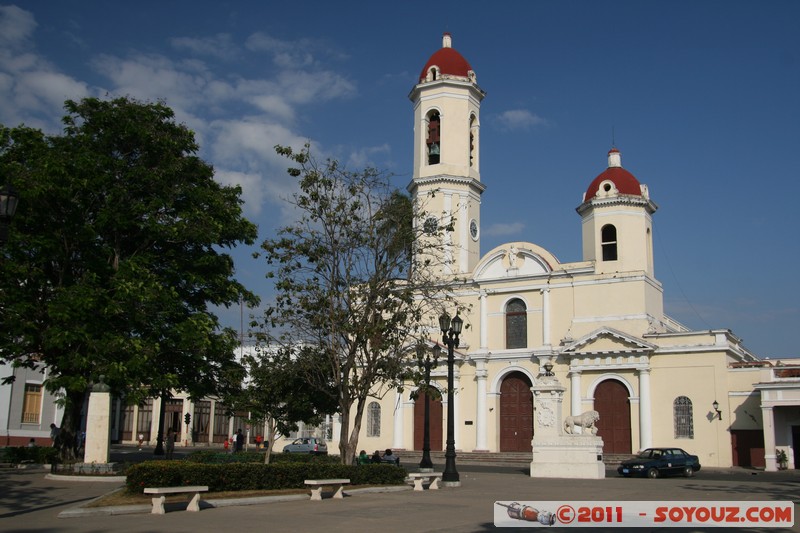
67, 439
346, 449
271, 435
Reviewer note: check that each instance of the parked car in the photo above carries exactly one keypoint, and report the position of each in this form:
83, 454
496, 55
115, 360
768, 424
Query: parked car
307, 445
656, 462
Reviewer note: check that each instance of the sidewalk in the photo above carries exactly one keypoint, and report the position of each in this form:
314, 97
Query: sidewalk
30, 502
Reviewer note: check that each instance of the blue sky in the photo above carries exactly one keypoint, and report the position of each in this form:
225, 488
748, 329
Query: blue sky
701, 97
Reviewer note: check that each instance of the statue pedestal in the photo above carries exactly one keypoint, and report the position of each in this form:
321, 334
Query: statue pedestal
568, 456
98, 424
556, 453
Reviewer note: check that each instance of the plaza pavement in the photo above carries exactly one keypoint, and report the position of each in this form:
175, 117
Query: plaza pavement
30, 502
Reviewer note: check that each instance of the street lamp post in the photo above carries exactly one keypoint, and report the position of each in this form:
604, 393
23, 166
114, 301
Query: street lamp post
8, 206
426, 365
450, 332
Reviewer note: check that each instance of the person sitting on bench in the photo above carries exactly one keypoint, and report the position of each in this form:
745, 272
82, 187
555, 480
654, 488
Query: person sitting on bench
389, 457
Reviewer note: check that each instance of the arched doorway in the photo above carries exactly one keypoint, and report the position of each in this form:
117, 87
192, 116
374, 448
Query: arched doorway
612, 402
435, 416
516, 413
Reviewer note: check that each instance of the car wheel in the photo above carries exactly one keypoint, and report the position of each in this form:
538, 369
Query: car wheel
652, 473
688, 471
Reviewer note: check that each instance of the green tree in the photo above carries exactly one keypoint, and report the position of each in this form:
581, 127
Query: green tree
348, 286
273, 391
115, 256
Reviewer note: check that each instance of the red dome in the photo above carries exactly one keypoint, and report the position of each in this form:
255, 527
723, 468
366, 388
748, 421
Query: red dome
449, 61
624, 181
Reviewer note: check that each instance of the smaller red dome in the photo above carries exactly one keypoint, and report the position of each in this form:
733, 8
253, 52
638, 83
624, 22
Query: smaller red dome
623, 181
449, 61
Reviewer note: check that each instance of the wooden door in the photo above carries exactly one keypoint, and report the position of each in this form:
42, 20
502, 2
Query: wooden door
435, 415
516, 413
748, 447
612, 402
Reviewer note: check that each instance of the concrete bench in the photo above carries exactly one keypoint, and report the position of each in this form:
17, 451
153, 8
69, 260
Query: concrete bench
158, 502
316, 493
421, 477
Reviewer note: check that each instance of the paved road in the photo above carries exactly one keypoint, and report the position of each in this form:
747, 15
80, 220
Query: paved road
31, 503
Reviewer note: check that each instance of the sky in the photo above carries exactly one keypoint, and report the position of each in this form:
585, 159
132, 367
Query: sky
702, 98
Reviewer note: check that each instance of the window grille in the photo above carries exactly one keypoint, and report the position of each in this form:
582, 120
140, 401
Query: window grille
374, 420
683, 418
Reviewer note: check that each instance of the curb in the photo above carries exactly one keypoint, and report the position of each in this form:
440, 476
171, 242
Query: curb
82, 512
108, 479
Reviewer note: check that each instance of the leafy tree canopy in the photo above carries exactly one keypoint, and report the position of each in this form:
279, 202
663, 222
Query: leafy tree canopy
274, 391
348, 285
116, 253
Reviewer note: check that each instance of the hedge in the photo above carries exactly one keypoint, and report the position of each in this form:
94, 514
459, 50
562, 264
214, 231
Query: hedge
37, 454
254, 476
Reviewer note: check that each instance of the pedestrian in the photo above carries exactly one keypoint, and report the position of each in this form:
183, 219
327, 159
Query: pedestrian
226, 444
259, 440
55, 431
141, 440
32, 443
170, 443
239, 440
376, 457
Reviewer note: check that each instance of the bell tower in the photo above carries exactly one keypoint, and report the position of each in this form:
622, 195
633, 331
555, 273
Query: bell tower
617, 221
446, 184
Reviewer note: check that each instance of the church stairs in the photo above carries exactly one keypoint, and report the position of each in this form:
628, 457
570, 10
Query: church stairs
411, 458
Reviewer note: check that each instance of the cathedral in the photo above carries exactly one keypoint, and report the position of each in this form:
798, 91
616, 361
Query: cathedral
597, 323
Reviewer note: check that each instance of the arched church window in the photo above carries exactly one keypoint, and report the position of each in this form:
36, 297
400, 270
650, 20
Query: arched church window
683, 418
433, 142
516, 324
374, 419
608, 240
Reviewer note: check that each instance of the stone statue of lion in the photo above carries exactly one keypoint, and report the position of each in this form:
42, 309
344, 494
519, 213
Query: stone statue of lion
585, 420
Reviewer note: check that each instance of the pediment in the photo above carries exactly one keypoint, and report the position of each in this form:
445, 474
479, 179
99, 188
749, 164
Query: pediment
608, 341
515, 259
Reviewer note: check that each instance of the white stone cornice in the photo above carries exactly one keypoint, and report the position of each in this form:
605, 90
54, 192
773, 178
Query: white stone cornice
623, 199
449, 179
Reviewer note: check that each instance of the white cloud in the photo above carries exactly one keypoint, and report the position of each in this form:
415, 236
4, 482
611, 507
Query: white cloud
285, 54
499, 230
220, 46
47, 89
252, 188
16, 26
154, 77
237, 121
519, 119
305, 87
32, 91
363, 157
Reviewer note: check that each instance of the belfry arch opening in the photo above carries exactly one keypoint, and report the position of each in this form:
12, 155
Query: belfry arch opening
608, 241
433, 142
473, 140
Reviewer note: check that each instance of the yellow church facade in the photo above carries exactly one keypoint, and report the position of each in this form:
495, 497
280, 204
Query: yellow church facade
600, 321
